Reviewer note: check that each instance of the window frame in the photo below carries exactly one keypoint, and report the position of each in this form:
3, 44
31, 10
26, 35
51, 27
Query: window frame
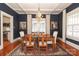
74, 14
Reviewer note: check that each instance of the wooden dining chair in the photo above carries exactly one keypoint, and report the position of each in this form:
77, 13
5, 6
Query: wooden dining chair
52, 40
49, 40
42, 45
55, 38
33, 34
30, 45
23, 40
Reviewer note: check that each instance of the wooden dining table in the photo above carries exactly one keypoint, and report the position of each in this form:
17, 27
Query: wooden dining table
35, 38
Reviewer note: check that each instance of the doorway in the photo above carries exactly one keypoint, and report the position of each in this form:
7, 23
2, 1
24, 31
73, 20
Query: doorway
6, 29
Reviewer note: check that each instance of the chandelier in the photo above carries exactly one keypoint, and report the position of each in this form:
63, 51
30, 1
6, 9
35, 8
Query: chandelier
39, 15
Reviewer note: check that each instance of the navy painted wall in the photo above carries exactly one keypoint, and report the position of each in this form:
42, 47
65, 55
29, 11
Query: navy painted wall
53, 18
58, 19
70, 8
60, 25
8, 10
23, 17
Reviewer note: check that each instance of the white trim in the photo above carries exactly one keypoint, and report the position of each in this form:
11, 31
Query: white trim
64, 25
29, 24
61, 39
1, 46
11, 27
73, 38
71, 14
16, 39
72, 44
48, 24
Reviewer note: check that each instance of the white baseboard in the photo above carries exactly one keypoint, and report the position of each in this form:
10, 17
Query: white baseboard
70, 43
1, 47
16, 39
73, 45
61, 39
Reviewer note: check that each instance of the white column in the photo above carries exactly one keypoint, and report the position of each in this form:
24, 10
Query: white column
0, 30
64, 25
1, 19
48, 24
29, 24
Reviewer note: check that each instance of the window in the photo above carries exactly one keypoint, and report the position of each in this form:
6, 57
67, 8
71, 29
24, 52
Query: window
38, 26
73, 25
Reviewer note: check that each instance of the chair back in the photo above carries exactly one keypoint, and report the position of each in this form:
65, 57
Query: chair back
33, 33
43, 34
55, 33
30, 38
21, 33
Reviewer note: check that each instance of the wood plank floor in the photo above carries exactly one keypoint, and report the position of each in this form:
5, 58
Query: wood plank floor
8, 47
6, 43
71, 50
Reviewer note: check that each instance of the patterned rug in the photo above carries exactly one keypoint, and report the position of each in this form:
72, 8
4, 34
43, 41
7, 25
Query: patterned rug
56, 52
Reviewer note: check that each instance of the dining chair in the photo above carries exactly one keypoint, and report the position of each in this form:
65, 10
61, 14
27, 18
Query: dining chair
30, 45
55, 38
42, 45
33, 33
23, 42
52, 40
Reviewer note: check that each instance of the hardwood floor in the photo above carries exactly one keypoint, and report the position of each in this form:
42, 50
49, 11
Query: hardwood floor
8, 47
71, 50
6, 43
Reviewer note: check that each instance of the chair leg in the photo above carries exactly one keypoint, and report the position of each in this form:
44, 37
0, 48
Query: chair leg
39, 51
46, 50
54, 47
34, 51
25, 50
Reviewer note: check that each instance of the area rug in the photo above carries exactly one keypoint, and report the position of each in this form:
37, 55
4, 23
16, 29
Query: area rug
55, 52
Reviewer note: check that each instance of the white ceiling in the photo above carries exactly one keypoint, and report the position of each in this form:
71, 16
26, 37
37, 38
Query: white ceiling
32, 8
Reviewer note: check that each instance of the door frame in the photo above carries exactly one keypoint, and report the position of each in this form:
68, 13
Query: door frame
11, 27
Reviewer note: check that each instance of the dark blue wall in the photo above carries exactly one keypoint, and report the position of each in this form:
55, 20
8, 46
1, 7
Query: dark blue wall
60, 25
53, 18
58, 19
23, 17
8, 10
71, 7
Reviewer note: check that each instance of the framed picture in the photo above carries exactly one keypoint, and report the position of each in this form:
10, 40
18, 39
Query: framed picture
54, 25
22, 25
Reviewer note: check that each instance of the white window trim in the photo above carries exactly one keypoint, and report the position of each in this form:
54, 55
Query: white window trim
69, 14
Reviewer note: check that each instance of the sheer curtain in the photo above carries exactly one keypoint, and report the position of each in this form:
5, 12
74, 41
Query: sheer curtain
35, 26
47, 24
29, 22
38, 26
